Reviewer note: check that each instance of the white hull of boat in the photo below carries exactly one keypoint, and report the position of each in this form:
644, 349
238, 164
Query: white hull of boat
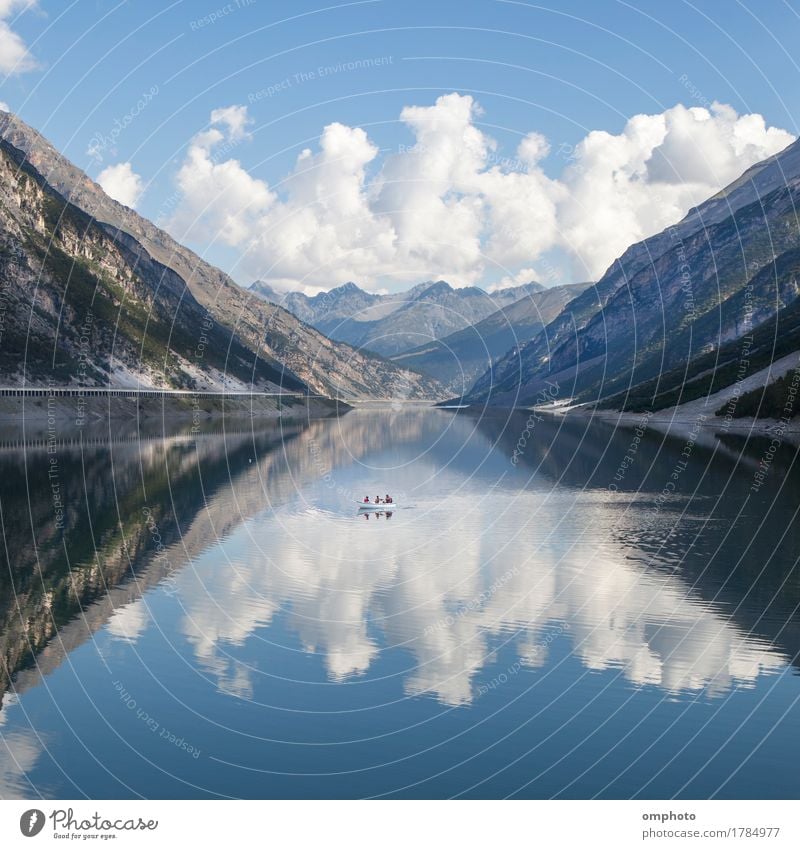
363, 506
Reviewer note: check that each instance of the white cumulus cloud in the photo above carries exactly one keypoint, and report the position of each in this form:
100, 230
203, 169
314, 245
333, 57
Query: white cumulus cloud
451, 204
220, 200
624, 188
14, 55
234, 118
122, 183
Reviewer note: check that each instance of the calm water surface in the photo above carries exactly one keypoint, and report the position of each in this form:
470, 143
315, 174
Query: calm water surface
596, 615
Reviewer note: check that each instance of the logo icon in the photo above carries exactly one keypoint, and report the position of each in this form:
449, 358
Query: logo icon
31, 822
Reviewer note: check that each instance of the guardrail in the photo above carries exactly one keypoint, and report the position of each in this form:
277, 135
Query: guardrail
82, 392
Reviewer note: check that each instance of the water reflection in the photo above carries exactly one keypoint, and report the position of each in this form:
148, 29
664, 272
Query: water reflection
127, 506
451, 608
547, 560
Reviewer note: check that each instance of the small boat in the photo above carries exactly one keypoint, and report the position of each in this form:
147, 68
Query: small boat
363, 505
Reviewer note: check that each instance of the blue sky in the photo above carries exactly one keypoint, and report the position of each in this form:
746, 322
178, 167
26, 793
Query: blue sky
159, 70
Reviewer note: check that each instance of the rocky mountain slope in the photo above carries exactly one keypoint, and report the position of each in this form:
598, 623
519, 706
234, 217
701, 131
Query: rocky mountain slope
683, 295
460, 358
147, 278
731, 364
393, 324
83, 306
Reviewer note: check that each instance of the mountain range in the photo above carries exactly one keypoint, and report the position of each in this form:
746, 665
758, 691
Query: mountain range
459, 359
693, 310
396, 323
94, 294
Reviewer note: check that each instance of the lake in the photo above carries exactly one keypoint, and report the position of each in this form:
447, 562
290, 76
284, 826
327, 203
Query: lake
556, 607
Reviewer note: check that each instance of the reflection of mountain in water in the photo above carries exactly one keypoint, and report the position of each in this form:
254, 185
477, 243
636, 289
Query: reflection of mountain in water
126, 506
196, 489
509, 559
710, 529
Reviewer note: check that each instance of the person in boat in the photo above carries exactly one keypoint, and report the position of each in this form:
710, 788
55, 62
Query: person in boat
388, 499
366, 499
378, 499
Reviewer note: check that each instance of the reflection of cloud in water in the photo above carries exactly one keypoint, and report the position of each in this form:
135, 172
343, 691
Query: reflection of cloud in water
128, 623
19, 752
451, 609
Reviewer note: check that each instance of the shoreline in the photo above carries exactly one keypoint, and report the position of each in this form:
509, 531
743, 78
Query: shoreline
78, 410
679, 418
699, 412
672, 422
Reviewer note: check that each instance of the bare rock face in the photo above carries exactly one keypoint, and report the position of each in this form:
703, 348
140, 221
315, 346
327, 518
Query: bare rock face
726, 269
164, 316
